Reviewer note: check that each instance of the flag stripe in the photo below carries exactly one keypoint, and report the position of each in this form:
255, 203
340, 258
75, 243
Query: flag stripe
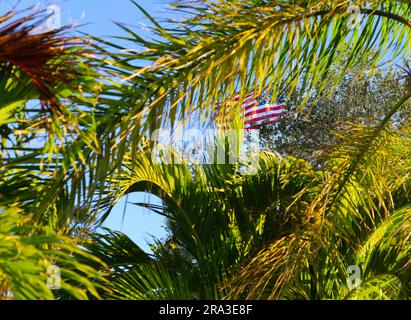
247, 97
250, 105
266, 116
264, 108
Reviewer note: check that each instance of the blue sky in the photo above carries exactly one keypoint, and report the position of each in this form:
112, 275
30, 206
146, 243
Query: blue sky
96, 16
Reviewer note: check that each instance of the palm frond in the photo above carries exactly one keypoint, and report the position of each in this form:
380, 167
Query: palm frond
227, 47
49, 65
311, 262
27, 250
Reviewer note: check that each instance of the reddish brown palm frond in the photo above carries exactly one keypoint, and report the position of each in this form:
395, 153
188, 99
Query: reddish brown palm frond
43, 55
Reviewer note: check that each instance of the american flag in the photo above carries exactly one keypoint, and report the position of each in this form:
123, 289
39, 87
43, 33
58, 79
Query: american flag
257, 112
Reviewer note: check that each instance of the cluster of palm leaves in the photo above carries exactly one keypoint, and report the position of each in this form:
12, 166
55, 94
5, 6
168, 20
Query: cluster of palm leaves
43, 129
288, 232
74, 126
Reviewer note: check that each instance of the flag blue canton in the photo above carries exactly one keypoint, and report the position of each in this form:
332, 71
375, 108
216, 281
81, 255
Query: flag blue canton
261, 100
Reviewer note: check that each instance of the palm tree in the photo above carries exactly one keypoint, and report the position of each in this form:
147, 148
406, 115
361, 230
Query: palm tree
223, 47
43, 128
360, 221
282, 233
216, 221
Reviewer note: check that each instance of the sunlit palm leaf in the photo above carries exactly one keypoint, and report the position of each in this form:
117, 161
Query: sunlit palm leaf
28, 250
